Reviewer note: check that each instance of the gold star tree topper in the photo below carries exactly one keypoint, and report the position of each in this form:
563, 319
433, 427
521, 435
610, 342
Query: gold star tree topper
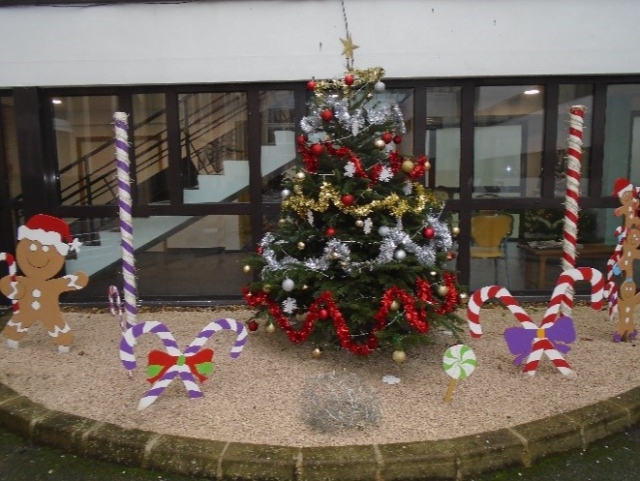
349, 47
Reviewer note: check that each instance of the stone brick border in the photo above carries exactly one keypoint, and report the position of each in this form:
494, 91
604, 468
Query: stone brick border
450, 459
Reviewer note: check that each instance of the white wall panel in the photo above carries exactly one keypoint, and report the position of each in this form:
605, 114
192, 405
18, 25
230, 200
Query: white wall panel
264, 40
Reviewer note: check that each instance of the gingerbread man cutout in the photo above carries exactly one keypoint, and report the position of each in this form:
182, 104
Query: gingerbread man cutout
630, 202
40, 254
627, 300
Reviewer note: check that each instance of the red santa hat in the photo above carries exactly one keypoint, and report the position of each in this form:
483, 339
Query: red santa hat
49, 231
621, 186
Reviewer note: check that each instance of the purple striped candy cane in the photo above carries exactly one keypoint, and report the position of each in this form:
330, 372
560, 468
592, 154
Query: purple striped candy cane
221, 324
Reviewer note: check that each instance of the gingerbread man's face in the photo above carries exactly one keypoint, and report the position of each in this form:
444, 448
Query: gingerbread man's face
38, 261
627, 198
634, 238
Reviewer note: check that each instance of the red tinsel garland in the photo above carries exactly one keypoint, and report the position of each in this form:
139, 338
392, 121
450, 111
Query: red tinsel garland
417, 319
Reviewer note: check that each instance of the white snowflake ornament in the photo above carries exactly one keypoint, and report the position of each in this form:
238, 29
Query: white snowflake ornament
368, 225
349, 169
386, 174
310, 217
289, 305
407, 188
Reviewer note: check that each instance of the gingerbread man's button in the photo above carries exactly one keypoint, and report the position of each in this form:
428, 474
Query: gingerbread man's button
36, 293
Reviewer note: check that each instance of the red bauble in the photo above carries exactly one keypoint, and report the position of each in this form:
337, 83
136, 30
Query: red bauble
428, 233
323, 314
326, 115
259, 250
397, 139
348, 199
330, 231
253, 326
311, 85
387, 137
451, 255
348, 79
302, 139
317, 149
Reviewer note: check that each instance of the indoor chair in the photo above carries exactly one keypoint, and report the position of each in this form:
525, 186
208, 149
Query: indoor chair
489, 232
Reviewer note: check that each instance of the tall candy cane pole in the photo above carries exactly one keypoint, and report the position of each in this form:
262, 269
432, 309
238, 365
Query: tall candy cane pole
13, 271
574, 158
126, 224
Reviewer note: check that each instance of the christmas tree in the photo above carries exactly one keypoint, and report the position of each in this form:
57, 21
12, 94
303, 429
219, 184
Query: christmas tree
358, 257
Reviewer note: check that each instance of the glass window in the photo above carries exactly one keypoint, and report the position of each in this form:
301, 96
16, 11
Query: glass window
442, 142
529, 258
571, 95
175, 255
277, 146
508, 141
214, 142
85, 148
150, 148
622, 136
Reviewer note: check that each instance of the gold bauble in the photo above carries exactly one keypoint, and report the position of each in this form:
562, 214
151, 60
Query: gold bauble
442, 290
271, 328
427, 165
305, 287
266, 288
301, 245
408, 166
379, 144
399, 357
359, 223
335, 255
433, 273
395, 305
463, 297
282, 222
317, 352
246, 269
455, 230
300, 175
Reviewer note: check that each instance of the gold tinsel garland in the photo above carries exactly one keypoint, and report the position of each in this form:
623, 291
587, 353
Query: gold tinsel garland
361, 77
328, 193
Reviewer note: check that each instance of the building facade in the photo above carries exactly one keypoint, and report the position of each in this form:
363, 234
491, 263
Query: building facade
215, 91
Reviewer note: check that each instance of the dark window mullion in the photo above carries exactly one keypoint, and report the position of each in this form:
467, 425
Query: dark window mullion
174, 181
597, 139
37, 188
466, 180
550, 139
255, 169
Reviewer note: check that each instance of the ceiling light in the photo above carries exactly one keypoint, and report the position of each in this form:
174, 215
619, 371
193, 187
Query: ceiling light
531, 92
56, 101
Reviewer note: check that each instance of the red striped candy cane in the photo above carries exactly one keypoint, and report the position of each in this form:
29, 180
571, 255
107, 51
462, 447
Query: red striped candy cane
481, 296
563, 291
611, 288
13, 272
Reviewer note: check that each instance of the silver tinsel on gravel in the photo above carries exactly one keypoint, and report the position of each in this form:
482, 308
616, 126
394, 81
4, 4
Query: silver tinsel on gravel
333, 402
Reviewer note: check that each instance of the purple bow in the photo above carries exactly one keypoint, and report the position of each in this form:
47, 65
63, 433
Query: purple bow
520, 340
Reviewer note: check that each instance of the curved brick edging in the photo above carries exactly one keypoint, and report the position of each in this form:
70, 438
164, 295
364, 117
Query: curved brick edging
451, 459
